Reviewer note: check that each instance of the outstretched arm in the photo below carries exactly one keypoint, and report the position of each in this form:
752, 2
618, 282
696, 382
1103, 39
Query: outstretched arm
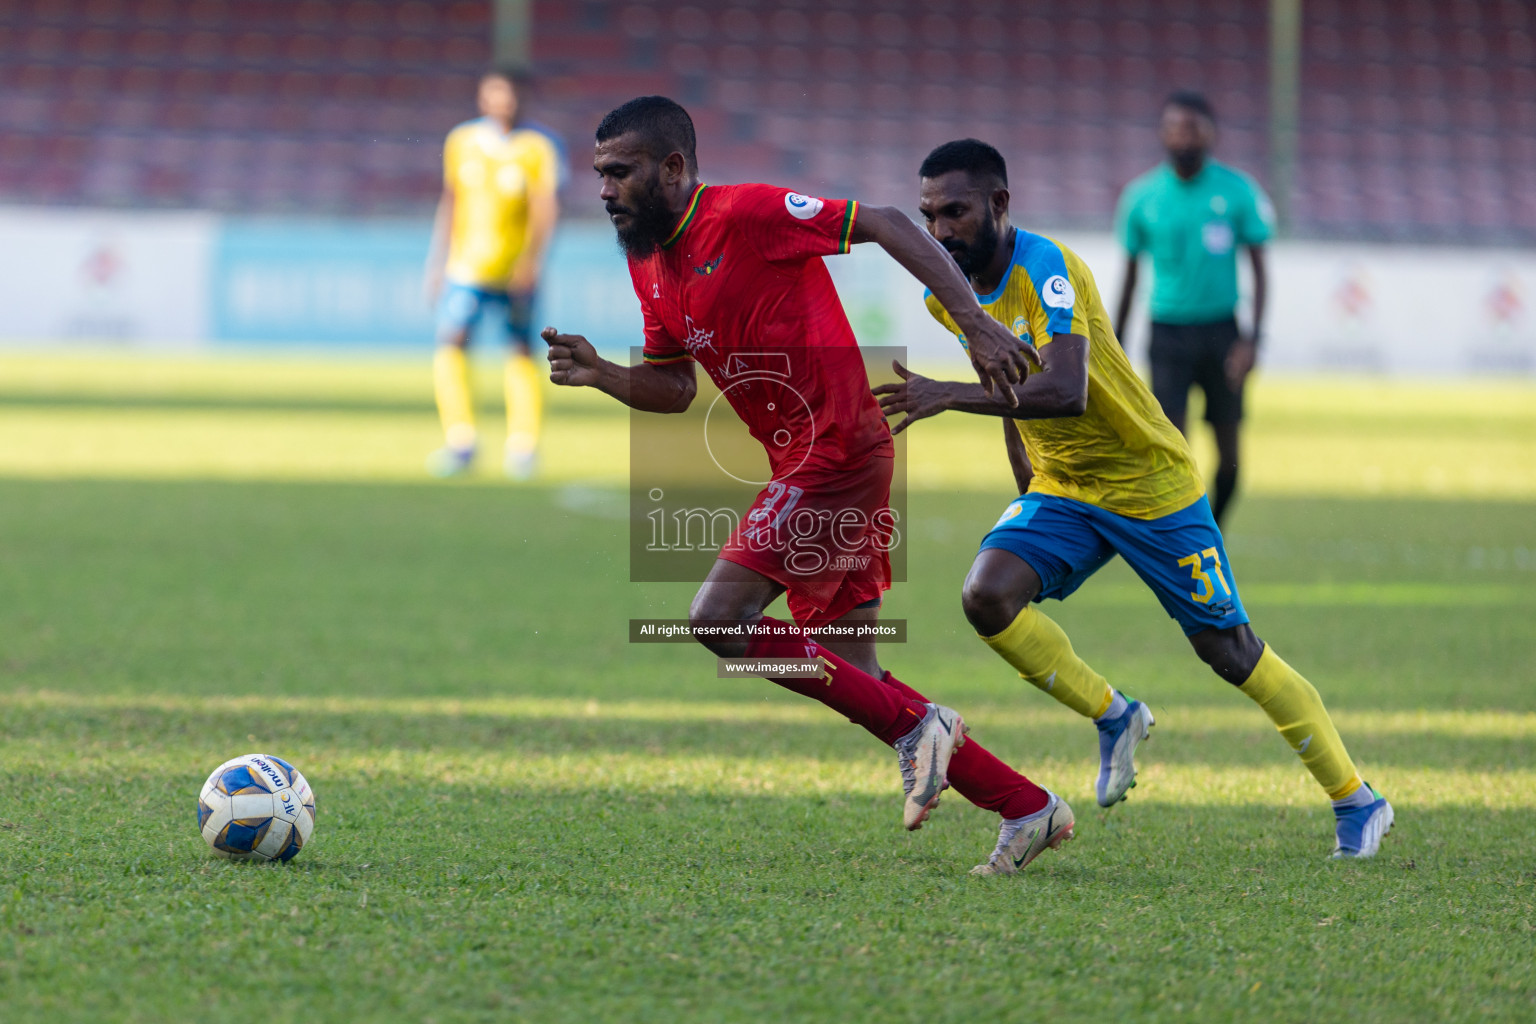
573, 362
1059, 389
1000, 359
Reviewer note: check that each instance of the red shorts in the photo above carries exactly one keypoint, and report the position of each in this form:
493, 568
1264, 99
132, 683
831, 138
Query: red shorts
825, 535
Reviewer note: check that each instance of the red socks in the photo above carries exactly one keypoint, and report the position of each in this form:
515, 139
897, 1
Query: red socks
890, 709
981, 778
863, 699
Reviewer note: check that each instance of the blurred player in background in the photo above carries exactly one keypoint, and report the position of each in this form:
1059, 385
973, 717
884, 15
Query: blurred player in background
493, 226
1191, 214
1111, 476
728, 271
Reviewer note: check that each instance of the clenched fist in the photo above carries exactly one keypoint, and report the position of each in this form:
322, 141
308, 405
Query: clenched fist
573, 361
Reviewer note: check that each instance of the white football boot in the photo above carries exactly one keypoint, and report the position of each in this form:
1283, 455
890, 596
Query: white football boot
923, 755
1021, 840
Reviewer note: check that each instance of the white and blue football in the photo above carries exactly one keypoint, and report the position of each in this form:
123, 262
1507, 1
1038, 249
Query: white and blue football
256, 807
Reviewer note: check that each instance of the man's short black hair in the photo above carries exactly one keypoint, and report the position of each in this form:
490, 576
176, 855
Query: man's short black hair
663, 124
973, 156
507, 73
1194, 102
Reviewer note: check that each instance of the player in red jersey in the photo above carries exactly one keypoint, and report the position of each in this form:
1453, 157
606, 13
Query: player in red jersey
728, 275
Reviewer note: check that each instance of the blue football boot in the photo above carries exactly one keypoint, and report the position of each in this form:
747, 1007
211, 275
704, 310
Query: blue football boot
1361, 829
1118, 738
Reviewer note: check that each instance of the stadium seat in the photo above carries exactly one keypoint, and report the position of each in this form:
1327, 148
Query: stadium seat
1416, 114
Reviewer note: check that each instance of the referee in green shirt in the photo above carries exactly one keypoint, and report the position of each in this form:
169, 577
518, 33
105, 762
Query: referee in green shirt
1191, 214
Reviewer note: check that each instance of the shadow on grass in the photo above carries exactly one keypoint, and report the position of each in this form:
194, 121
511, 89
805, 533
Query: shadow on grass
1178, 740
575, 839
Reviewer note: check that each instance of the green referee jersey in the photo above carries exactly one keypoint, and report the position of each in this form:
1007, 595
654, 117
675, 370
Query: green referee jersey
1193, 230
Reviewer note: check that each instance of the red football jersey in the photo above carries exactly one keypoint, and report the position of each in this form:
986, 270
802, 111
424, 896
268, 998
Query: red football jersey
740, 289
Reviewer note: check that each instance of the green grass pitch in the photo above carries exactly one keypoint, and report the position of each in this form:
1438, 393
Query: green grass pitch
522, 817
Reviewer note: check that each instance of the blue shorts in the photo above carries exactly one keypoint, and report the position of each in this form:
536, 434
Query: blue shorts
464, 307
1180, 556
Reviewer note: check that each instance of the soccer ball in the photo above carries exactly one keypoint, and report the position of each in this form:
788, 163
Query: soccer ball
256, 807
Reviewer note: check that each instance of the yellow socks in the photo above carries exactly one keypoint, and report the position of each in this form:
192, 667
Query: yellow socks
455, 402
456, 405
525, 404
1041, 652
1293, 705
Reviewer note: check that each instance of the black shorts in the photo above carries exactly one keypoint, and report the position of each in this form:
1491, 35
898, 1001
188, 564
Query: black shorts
1187, 354
520, 318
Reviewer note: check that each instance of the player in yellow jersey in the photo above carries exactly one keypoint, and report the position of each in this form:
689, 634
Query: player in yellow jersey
494, 222
1110, 475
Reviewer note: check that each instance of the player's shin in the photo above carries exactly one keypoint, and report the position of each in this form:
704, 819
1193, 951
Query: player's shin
455, 402
525, 404
1041, 653
981, 777
863, 699
1294, 706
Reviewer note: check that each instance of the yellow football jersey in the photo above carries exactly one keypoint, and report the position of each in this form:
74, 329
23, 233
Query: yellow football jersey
1122, 454
493, 177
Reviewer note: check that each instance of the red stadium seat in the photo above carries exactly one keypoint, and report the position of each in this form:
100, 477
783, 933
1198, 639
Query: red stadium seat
1429, 101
